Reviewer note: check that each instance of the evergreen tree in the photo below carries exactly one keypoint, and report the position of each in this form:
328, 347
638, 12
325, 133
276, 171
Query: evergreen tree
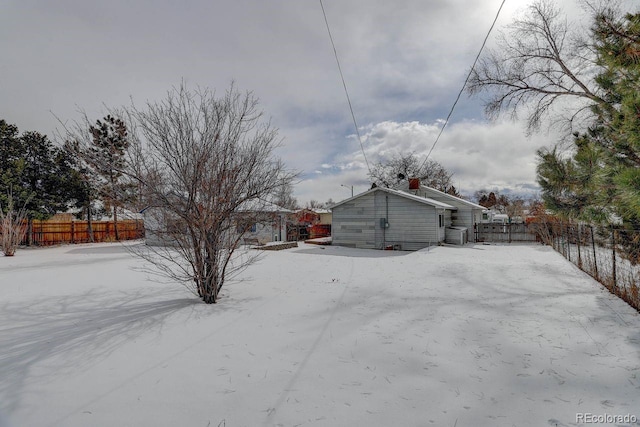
30, 170
486, 198
103, 161
81, 185
600, 177
618, 46
9, 160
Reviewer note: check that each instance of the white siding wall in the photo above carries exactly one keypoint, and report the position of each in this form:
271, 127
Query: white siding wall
464, 216
412, 225
448, 221
271, 229
354, 223
467, 218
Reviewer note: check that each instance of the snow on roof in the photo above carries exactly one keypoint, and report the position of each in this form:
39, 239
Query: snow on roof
454, 198
424, 200
260, 205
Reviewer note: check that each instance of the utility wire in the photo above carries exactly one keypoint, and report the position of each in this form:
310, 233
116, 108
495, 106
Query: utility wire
463, 86
335, 53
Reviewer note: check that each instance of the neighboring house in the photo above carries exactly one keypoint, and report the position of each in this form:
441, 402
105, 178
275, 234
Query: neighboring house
300, 224
264, 222
309, 223
325, 216
322, 228
383, 218
268, 223
490, 216
155, 221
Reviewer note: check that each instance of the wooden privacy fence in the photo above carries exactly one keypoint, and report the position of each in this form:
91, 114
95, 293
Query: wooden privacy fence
43, 233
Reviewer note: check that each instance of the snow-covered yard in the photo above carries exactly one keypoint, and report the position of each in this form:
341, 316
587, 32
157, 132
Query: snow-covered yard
327, 336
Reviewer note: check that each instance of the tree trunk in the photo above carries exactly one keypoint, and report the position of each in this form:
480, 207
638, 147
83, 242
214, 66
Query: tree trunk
115, 222
30, 232
208, 291
89, 224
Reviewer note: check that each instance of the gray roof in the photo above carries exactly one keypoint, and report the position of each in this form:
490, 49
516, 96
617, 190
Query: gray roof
424, 200
259, 205
454, 198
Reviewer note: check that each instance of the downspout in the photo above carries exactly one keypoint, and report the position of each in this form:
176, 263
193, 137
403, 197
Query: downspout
437, 223
440, 213
386, 221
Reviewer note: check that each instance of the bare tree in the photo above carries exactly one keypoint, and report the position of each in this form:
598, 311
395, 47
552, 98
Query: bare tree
207, 171
515, 208
284, 198
404, 166
541, 64
12, 226
315, 204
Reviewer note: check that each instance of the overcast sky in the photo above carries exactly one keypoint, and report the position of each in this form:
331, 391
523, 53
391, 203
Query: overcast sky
403, 62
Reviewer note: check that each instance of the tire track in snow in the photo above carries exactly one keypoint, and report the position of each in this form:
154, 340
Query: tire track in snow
284, 394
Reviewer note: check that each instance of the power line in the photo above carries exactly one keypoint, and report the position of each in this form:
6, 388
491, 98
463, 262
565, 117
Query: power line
463, 85
335, 53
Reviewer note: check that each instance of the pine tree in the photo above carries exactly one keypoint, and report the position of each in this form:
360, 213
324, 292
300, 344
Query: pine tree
106, 157
618, 45
601, 176
30, 172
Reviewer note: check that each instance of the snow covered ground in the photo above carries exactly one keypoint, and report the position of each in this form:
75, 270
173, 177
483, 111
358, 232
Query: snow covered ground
325, 336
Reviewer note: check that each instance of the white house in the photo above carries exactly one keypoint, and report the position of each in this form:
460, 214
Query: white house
263, 221
383, 218
268, 223
411, 219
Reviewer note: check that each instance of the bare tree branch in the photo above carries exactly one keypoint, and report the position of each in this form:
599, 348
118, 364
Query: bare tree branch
12, 226
404, 166
207, 170
540, 65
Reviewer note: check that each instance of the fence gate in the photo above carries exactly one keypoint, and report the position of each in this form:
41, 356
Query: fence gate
505, 233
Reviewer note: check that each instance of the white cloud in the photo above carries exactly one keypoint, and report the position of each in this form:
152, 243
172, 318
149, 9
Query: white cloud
403, 62
481, 155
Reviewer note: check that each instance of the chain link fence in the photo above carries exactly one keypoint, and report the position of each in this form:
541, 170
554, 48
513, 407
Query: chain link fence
609, 254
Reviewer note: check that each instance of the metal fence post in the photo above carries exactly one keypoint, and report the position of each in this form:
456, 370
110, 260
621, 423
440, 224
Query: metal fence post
613, 252
578, 242
567, 241
593, 246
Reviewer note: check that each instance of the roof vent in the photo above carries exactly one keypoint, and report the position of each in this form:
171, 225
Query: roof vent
414, 183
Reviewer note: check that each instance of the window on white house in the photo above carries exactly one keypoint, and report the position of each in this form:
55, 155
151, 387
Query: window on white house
245, 228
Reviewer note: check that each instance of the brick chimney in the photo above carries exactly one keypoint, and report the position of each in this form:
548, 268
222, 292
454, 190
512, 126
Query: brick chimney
414, 183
